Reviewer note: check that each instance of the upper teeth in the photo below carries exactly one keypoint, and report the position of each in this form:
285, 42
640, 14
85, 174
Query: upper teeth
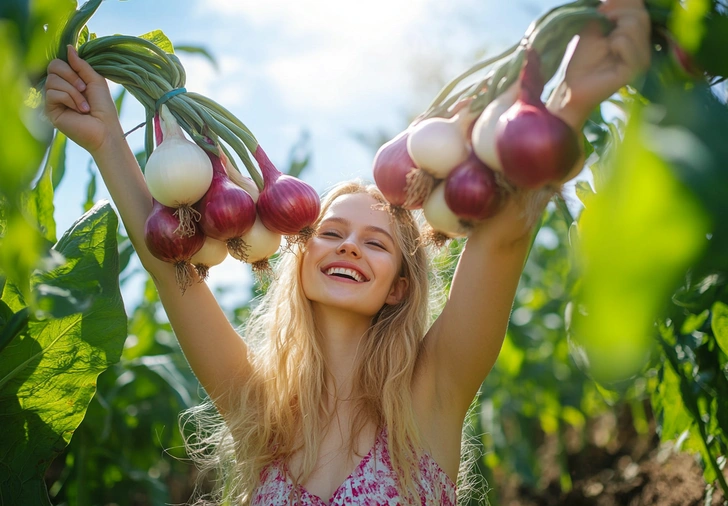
347, 272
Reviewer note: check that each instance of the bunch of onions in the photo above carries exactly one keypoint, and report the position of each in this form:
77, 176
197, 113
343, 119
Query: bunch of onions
394, 170
212, 253
178, 172
471, 191
227, 212
163, 241
286, 205
534, 148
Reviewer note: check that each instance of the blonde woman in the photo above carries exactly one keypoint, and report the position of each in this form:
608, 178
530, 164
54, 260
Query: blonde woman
340, 393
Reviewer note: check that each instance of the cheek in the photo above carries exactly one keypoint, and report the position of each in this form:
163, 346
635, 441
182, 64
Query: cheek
306, 274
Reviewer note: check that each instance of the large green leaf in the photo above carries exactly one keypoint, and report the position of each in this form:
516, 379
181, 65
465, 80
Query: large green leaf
48, 373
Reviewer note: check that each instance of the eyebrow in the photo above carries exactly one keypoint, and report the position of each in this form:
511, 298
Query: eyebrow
369, 228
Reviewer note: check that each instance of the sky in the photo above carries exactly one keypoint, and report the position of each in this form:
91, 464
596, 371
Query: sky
328, 70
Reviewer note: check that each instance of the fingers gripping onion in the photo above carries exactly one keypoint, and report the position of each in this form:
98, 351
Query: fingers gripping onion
178, 172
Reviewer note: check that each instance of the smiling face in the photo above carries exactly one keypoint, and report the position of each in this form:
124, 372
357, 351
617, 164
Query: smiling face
353, 262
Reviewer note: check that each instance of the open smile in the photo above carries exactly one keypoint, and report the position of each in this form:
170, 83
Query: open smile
345, 274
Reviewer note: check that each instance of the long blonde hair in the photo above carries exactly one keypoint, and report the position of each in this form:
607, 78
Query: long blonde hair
283, 410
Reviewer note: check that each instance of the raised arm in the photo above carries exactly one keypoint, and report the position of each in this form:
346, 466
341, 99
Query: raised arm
466, 339
79, 104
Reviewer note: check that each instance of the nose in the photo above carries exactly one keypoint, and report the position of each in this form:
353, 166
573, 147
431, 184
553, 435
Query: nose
349, 246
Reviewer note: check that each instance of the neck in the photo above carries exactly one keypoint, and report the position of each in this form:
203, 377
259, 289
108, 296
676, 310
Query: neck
342, 334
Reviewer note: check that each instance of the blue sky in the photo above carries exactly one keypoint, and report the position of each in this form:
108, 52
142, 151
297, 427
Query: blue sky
329, 68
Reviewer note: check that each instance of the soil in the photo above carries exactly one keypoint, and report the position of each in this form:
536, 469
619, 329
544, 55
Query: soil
613, 465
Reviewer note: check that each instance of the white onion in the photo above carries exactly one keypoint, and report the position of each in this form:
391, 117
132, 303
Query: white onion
439, 216
483, 137
262, 243
437, 145
213, 252
178, 172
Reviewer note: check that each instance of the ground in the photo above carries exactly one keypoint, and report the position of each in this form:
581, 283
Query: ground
616, 466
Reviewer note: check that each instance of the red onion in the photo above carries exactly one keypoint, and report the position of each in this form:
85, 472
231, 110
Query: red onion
227, 212
534, 146
471, 191
286, 205
165, 244
393, 170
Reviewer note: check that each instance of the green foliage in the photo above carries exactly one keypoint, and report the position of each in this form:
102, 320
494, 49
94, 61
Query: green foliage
48, 372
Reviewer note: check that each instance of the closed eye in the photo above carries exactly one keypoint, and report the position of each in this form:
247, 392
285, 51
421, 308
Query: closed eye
330, 233
377, 244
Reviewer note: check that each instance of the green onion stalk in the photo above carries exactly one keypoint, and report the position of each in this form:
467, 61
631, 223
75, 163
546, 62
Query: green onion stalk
154, 77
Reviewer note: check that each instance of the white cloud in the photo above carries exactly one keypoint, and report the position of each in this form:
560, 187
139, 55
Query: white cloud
227, 85
326, 54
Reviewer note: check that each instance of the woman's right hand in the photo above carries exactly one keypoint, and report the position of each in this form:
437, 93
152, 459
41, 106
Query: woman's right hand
79, 104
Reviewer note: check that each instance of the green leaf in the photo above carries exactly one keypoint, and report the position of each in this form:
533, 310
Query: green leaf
48, 373
90, 189
22, 131
159, 39
200, 51
20, 251
14, 326
719, 324
119, 100
39, 204
584, 192
57, 158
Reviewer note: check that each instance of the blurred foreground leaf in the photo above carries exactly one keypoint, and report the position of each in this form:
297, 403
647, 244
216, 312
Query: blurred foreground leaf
48, 372
638, 237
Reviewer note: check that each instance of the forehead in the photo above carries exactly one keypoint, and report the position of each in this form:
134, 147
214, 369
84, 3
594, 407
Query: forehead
359, 208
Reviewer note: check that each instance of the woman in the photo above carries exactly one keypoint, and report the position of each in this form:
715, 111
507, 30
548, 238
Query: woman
345, 396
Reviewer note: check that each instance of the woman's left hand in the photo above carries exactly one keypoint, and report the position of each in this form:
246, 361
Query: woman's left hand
602, 64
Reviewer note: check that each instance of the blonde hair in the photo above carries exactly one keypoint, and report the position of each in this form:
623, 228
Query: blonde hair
282, 409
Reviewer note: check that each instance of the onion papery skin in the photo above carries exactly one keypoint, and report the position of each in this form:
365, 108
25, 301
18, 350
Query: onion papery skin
437, 145
483, 136
286, 205
165, 244
178, 171
535, 147
392, 165
471, 191
440, 217
212, 253
227, 212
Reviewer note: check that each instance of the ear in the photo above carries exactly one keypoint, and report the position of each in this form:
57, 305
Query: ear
398, 291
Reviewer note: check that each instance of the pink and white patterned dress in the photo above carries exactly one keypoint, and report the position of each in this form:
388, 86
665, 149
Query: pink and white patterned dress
372, 483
